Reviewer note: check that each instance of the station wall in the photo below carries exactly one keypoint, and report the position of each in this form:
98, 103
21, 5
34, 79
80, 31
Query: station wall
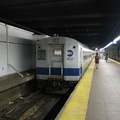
114, 51
17, 48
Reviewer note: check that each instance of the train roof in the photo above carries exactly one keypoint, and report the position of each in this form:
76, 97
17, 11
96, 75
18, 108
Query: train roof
86, 48
60, 37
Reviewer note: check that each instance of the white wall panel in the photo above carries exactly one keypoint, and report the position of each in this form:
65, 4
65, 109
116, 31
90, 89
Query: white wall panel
20, 57
20, 33
19, 49
2, 32
34, 53
16, 48
38, 37
13, 39
34, 57
3, 59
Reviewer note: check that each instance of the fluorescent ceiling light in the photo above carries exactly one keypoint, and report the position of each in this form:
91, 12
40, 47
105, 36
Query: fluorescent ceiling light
108, 45
116, 39
113, 42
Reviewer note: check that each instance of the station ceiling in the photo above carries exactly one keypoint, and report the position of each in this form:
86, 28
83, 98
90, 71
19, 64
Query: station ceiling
92, 22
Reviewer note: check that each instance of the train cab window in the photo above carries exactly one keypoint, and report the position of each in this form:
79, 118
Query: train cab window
41, 55
57, 52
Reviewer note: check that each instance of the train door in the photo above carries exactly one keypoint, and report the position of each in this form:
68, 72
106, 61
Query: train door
56, 61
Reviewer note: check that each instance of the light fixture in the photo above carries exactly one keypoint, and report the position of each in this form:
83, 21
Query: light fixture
116, 39
108, 45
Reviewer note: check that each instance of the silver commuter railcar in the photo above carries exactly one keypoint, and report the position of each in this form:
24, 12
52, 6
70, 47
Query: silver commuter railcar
61, 59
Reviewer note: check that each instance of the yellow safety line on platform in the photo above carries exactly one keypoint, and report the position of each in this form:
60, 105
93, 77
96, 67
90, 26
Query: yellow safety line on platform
76, 107
114, 61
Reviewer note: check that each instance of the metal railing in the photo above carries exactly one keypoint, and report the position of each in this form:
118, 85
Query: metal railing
16, 70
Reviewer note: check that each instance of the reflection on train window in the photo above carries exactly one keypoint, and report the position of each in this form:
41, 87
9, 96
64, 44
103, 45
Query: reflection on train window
86, 56
41, 55
57, 52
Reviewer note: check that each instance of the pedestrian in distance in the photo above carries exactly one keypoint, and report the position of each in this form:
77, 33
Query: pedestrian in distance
97, 59
106, 57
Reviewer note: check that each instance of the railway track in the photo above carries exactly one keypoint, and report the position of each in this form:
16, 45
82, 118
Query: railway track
35, 106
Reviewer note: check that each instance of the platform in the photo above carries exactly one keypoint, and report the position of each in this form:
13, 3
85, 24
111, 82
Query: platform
9, 81
97, 96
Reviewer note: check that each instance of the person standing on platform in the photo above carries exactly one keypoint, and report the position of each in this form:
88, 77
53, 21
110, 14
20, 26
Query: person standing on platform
97, 58
106, 57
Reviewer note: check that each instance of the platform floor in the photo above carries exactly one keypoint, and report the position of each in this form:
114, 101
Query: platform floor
97, 95
104, 100
12, 80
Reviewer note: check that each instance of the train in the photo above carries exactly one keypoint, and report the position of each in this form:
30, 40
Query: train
61, 61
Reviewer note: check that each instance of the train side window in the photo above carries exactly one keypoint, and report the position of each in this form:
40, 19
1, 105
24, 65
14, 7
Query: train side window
41, 55
57, 52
